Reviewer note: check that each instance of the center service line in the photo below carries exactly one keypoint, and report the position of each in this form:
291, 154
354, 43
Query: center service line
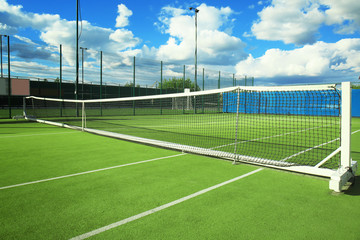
154, 210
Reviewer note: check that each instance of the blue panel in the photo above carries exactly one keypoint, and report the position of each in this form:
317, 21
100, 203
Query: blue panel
355, 103
312, 103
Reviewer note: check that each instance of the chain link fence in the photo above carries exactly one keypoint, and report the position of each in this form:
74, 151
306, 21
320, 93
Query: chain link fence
52, 73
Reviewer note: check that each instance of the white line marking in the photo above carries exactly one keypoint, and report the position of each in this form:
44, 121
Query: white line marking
154, 210
320, 145
38, 134
273, 136
87, 172
356, 131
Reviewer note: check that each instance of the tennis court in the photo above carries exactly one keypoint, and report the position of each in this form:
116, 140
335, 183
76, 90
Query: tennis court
58, 183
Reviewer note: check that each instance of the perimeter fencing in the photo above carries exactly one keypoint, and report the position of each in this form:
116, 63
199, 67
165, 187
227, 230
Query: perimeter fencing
51, 71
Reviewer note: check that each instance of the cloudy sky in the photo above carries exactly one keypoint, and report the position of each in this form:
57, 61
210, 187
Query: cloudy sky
275, 41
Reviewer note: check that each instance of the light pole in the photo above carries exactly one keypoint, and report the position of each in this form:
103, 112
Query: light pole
1, 55
82, 72
9, 78
196, 11
77, 55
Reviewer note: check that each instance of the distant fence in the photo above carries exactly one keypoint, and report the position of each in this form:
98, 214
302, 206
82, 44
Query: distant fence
66, 90
355, 103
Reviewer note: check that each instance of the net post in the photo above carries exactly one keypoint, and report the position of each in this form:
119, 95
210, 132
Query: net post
347, 167
346, 125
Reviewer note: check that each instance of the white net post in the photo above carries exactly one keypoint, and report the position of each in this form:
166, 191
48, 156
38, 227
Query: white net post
346, 125
347, 167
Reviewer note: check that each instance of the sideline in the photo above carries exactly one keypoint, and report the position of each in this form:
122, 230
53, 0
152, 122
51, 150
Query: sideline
37, 134
87, 172
154, 210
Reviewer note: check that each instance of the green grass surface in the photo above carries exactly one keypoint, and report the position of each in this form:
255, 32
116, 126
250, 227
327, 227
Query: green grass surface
270, 204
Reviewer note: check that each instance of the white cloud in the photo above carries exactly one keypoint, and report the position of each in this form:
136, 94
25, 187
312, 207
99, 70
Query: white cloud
294, 21
319, 59
124, 38
344, 13
215, 43
15, 18
299, 21
122, 19
55, 31
24, 39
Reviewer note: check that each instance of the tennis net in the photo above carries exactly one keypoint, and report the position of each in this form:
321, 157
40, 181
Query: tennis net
281, 126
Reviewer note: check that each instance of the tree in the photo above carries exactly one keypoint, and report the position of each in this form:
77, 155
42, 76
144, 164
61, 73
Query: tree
179, 83
131, 85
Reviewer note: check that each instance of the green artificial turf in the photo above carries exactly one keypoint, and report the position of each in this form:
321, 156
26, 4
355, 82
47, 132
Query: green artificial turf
270, 204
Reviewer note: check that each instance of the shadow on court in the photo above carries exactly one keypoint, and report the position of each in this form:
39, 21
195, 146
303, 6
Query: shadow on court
354, 189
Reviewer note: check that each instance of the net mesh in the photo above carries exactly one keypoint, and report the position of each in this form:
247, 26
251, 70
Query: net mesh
278, 127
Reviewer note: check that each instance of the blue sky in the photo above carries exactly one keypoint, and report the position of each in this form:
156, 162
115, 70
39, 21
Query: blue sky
276, 41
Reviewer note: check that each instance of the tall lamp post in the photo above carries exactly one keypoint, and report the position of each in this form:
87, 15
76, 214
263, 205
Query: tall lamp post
9, 79
196, 12
82, 72
1, 55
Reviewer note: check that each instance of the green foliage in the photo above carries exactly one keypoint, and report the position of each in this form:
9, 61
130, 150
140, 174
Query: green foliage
57, 80
131, 85
179, 83
357, 86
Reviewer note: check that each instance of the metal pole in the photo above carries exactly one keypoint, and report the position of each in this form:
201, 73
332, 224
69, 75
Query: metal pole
196, 12
1, 55
134, 79
203, 78
219, 79
133, 89
101, 82
82, 72
184, 79
161, 83
9, 78
60, 94
77, 57
77, 50
60, 90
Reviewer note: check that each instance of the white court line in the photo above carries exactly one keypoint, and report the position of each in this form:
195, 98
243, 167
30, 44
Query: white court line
38, 134
267, 137
154, 210
320, 145
87, 172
